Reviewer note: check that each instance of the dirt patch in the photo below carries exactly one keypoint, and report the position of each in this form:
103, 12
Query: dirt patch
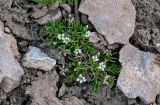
147, 30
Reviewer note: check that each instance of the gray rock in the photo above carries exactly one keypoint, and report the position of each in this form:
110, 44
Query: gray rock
44, 89
131, 101
22, 44
1, 27
75, 90
94, 37
140, 76
74, 101
84, 19
40, 12
7, 30
105, 96
2, 96
10, 70
20, 31
114, 19
6, 3
54, 6
66, 7
62, 90
53, 15
35, 58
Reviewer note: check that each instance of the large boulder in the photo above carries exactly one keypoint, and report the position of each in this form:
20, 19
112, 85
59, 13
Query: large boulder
114, 19
10, 70
140, 75
35, 58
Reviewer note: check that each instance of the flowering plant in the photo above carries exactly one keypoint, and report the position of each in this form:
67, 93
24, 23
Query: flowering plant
85, 61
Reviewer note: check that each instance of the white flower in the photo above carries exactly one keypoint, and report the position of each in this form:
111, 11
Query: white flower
77, 51
65, 40
105, 81
60, 36
88, 34
87, 26
95, 58
79, 63
81, 79
75, 69
69, 15
102, 66
54, 43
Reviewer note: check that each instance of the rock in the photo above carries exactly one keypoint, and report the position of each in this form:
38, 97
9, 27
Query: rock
99, 42
94, 37
158, 45
153, 103
20, 31
15, 15
6, 3
44, 89
158, 99
22, 44
40, 12
10, 70
53, 101
1, 27
74, 101
35, 58
62, 90
54, 53
84, 19
131, 101
114, 19
7, 30
146, 11
46, 94
140, 76
76, 91
54, 6
2, 96
66, 7
53, 15
105, 96
65, 14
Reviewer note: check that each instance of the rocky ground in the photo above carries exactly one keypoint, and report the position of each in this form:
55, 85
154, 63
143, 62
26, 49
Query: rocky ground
30, 71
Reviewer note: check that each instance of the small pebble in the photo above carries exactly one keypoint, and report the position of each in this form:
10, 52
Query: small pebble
131, 101
158, 44
7, 30
66, 7
62, 90
94, 38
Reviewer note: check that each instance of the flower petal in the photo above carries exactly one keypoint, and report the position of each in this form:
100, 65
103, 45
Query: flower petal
77, 79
